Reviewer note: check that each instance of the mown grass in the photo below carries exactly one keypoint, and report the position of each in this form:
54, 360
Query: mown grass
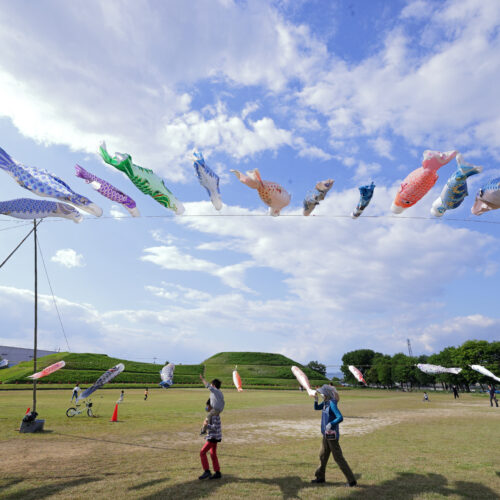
409, 449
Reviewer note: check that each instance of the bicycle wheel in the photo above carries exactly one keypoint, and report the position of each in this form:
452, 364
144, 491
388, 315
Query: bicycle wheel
89, 412
71, 412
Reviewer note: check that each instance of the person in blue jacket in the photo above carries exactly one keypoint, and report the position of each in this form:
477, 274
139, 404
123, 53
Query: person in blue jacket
330, 420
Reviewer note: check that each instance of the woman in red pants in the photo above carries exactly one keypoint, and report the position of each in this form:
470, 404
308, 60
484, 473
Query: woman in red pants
214, 436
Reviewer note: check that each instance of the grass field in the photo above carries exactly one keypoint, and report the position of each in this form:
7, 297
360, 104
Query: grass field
398, 447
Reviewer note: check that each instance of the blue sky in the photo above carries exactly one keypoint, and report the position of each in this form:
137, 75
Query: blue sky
303, 90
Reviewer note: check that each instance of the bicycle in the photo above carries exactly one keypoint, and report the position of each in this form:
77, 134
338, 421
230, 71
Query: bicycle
71, 412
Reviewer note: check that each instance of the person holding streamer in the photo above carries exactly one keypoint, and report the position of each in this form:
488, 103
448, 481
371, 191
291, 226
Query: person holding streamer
330, 420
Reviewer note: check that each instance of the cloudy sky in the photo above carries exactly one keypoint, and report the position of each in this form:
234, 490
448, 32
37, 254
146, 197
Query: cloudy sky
305, 90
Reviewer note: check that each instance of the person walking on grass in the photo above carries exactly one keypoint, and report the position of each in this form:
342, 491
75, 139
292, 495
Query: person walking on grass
330, 420
216, 401
491, 391
455, 392
214, 436
146, 393
120, 399
76, 391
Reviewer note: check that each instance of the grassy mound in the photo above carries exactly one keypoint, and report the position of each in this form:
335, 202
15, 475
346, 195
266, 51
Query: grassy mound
256, 369
87, 368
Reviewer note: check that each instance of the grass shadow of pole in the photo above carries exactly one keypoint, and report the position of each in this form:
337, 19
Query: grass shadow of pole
48, 489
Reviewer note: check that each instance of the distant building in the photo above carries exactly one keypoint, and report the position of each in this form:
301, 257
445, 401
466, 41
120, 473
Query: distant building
17, 354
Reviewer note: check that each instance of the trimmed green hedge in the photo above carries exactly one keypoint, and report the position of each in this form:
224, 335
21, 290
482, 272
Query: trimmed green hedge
256, 369
87, 368
249, 358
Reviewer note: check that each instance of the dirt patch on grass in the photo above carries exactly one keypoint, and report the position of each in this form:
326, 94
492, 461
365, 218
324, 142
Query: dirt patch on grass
273, 430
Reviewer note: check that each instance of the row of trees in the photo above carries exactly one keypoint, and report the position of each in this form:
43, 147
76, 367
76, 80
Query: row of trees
387, 371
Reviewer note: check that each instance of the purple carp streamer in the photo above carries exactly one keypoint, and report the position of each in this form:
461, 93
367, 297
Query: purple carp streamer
108, 190
103, 379
26, 208
43, 183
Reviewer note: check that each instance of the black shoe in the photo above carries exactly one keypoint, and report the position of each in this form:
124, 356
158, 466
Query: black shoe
206, 475
318, 480
216, 475
351, 484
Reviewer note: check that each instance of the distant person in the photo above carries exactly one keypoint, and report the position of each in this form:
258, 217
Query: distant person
216, 401
330, 420
76, 392
120, 399
491, 391
455, 392
426, 398
146, 393
214, 436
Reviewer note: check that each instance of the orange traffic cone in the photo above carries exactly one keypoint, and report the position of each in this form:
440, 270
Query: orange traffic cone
114, 418
27, 411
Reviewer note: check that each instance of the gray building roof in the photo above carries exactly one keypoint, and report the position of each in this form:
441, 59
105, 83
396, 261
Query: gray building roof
17, 354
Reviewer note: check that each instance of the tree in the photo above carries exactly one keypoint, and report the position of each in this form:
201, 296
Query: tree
478, 352
361, 359
382, 364
317, 367
403, 369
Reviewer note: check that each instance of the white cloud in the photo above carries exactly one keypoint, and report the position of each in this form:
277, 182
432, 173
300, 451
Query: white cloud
171, 257
456, 330
133, 74
117, 212
313, 152
354, 265
382, 147
249, 108
224, 132
417, 9
427, 97
366, 171
67, 257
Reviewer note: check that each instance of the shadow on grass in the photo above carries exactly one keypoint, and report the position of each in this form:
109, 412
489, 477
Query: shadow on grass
10, 482
148, 483
407, 485
47, 490
290, 487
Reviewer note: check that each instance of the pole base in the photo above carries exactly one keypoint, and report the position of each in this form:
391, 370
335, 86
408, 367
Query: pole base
34, 426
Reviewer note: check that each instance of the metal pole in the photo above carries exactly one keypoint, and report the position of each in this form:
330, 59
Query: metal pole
36, 318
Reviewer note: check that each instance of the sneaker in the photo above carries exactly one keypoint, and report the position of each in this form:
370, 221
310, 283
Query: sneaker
351, 484
318, 480
206, 475
216, 475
